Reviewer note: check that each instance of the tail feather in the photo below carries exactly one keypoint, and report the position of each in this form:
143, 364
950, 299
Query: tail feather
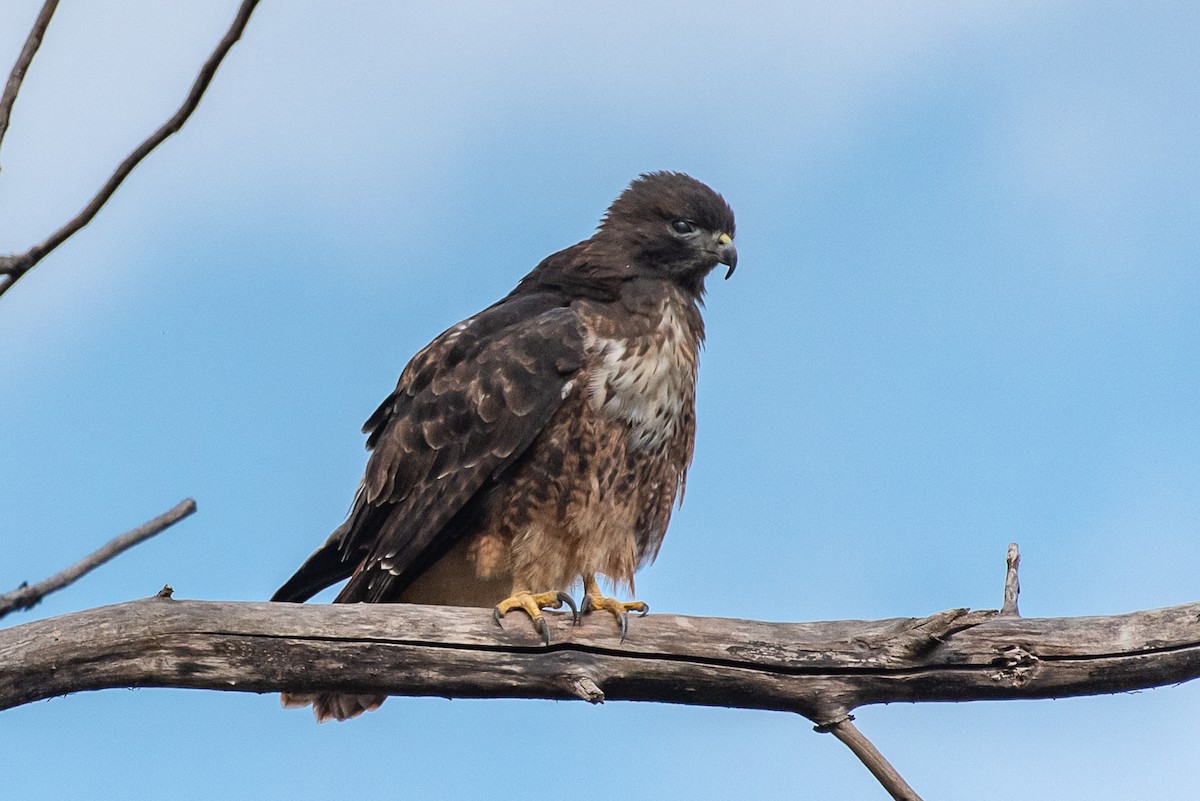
333, 706
325, 567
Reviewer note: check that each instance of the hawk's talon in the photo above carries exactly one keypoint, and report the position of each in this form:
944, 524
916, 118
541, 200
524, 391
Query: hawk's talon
533, 604
594, 601
569, 601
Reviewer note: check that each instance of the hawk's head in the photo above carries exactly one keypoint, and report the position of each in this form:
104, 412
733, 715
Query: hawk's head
672, 225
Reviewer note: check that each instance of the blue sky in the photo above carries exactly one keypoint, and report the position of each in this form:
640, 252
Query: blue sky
965, 313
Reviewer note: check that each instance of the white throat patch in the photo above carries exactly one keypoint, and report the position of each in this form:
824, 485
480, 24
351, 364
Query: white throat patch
647, 381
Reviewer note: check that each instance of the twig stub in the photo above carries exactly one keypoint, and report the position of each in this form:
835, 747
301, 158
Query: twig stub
585, 688
1012, 582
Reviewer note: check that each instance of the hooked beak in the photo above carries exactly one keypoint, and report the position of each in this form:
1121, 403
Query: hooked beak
727, 253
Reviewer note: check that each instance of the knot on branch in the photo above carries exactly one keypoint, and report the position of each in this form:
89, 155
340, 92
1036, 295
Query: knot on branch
825, 727
1014, 656
1017, 665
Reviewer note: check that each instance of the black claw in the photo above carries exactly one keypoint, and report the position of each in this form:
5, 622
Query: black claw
496, 617
539, 623
587, 605
569, 601
645, 610
624, 625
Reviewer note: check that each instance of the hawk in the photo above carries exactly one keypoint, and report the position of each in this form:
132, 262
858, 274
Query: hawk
544, 440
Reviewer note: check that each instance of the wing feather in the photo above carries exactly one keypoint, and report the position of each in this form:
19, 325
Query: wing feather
465, 408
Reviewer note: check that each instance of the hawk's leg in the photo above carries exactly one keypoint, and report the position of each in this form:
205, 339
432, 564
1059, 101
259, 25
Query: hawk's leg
594, 599
533, 604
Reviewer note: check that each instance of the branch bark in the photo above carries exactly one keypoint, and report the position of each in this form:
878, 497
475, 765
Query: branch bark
28, 595
819, 670
14, 267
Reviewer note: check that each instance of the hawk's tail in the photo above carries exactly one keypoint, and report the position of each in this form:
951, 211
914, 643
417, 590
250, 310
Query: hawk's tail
333, 706
325, 567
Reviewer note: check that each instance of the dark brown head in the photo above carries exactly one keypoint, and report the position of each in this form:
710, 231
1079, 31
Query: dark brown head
670, 224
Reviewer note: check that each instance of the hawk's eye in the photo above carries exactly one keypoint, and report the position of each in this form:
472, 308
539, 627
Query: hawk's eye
683, 227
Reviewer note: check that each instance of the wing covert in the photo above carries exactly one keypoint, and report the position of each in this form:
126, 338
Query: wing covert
465, 408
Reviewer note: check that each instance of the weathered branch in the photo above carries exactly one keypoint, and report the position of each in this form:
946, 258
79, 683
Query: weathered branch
820, 670
32, 42
28, 595
13, 267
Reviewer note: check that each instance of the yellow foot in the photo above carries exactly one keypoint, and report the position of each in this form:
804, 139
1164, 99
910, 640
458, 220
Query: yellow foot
593, 600
533, 604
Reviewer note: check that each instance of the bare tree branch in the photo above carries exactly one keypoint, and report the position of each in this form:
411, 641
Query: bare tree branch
24, 59
27, 596
819, 670
12, 268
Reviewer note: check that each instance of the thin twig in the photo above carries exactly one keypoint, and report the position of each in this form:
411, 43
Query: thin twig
32, 43
1012, 583
12, 268
27, 596
845, 730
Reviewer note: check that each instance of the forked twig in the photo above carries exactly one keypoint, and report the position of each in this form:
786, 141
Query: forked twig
13, 268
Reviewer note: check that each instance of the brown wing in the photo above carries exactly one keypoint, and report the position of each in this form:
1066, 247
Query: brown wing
465, 408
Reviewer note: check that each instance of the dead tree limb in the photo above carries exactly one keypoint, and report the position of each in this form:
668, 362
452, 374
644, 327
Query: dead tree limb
14, 267
28, 595
820, 670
